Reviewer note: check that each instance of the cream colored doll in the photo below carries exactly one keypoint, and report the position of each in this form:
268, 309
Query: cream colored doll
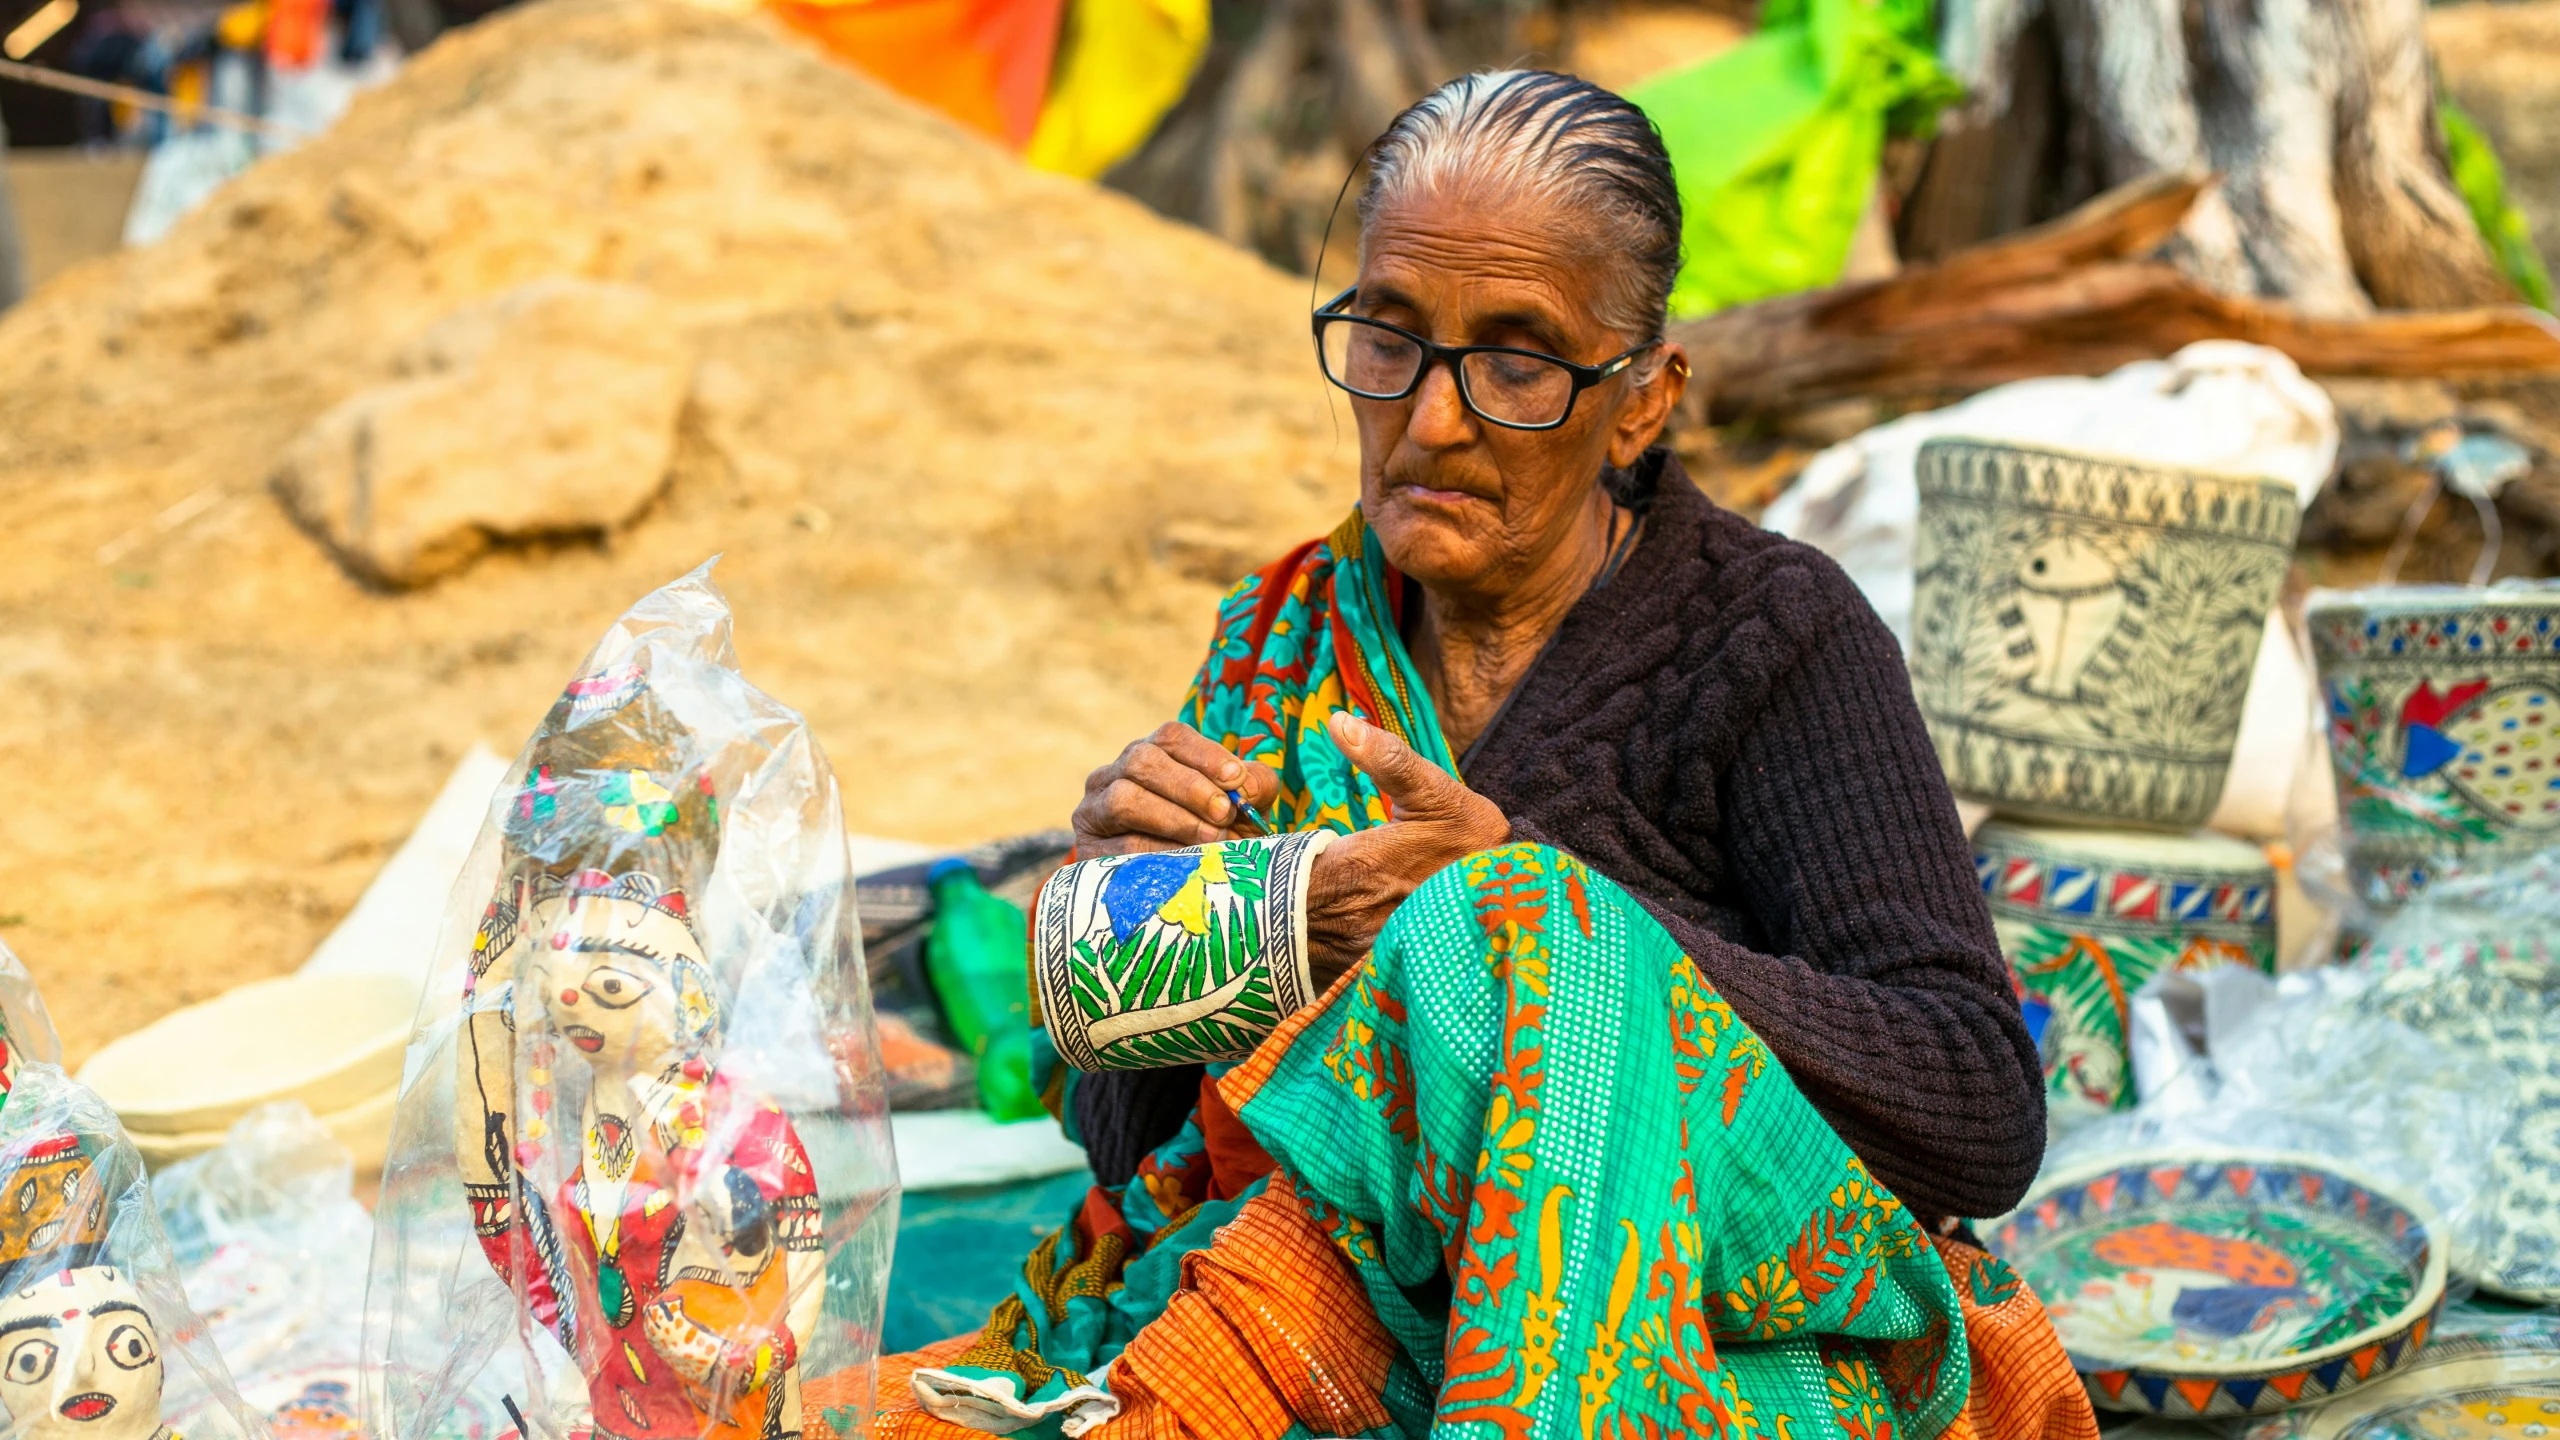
80, 1359
679, 1257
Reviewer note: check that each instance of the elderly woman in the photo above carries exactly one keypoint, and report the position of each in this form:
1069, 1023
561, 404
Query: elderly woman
1635, 798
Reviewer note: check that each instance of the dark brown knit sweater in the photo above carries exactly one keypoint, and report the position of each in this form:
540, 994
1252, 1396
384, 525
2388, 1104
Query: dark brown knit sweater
1726, 730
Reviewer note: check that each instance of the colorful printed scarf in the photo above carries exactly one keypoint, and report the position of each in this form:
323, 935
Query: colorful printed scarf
1523, 1173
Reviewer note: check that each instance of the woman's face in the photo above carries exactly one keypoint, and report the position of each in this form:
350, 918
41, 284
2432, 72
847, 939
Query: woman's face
1463, 505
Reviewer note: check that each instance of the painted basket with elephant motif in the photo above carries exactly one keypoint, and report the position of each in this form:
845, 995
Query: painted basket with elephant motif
2444, 724
2084, 629
2195, 1283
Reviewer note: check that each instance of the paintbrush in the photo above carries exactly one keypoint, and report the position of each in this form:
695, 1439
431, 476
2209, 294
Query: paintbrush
1246, 806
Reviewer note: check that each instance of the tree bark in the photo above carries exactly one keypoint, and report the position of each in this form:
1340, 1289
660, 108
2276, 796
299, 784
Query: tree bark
2414, 242
2319, 116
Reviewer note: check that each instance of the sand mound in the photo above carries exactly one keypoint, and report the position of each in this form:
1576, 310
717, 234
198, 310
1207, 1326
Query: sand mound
979, 445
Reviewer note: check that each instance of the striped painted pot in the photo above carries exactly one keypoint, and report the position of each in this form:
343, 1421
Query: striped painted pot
2087, 917
2444, 725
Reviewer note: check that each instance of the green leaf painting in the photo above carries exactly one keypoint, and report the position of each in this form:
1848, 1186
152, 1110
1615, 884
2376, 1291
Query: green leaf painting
1165, 996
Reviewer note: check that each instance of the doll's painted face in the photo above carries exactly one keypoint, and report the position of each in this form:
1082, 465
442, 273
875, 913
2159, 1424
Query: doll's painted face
80, 1359
608, 976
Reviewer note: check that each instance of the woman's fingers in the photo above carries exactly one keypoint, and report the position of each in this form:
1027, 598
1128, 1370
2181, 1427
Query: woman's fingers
1180, 781
1169, 789
1362, 877
1420, 792
1124, 809
1223, 770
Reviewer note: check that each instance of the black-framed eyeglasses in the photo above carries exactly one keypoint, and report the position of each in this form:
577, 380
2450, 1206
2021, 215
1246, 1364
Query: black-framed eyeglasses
1513, 388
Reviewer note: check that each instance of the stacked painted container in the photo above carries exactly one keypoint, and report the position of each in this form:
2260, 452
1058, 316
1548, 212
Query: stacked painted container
2443, 706
2083, 636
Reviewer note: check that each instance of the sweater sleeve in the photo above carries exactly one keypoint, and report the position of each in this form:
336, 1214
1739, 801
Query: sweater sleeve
1886, 996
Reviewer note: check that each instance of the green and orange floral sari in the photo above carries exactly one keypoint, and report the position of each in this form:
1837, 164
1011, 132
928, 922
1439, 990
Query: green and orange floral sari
1523, 1173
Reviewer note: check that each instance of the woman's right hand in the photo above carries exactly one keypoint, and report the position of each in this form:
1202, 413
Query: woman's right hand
1169, 791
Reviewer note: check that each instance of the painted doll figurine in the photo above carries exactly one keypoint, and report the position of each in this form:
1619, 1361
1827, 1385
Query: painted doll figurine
678, 1255
80, 1359
51, 1203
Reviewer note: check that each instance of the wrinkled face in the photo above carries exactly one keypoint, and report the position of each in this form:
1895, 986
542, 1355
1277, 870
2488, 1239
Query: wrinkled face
80, 1359
1462, 504
603, 971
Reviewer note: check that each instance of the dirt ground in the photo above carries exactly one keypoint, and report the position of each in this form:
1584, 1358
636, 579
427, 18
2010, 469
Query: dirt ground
979, 447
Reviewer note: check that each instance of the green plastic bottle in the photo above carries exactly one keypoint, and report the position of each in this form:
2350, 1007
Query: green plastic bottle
976, 955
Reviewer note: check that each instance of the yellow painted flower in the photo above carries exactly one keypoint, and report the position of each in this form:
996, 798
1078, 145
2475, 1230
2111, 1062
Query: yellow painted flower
1767, 1303
1166, 1192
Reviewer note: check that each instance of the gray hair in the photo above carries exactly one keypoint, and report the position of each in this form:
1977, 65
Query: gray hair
1534, 133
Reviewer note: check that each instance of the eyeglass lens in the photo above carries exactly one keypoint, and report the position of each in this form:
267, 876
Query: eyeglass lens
1379, 363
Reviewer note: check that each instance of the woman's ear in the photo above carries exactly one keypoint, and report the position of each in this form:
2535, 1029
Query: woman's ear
1650, 405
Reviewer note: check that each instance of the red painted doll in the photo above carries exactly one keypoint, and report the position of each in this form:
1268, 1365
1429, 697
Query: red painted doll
674, 1248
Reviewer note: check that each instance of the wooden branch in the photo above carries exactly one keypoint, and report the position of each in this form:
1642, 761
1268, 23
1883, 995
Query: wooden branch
2068, 298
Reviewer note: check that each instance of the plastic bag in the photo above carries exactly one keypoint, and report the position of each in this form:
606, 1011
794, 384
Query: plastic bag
642, 1130
26, 1030
2470, 965
93, 1322
272, 1246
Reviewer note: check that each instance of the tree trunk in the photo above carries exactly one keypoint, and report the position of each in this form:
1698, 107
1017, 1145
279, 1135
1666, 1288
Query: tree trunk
2317, 115
2413, 238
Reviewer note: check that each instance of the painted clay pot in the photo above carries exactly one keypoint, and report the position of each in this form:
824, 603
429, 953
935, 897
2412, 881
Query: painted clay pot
2084, 629
1175, 957
2444, 725
2086, 917
2199, 1283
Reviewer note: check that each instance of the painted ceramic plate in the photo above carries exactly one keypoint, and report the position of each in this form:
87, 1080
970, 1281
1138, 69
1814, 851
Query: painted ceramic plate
2464, 1387
2198, 1283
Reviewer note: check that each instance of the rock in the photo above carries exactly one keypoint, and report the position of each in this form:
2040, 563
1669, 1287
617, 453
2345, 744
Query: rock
548, 412
946, 406
2502, 63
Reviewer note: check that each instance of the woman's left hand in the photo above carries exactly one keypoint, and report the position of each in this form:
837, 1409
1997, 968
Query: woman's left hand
1360, 879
